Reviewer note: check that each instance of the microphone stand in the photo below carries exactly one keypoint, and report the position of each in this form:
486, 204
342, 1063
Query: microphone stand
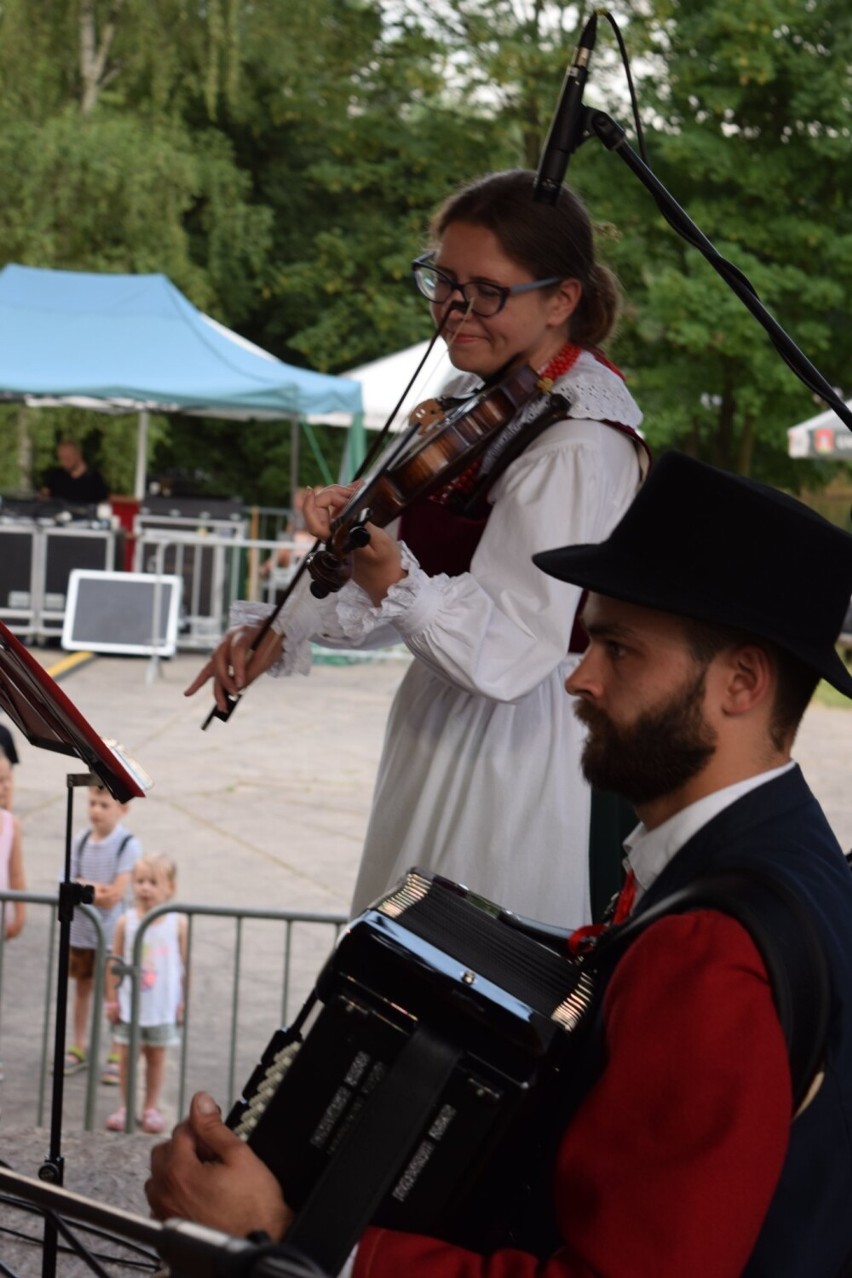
600, 125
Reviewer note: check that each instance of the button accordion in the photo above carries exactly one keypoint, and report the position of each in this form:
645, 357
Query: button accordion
405, 1090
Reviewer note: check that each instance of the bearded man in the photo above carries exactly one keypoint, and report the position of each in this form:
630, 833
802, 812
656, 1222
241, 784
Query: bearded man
712, 611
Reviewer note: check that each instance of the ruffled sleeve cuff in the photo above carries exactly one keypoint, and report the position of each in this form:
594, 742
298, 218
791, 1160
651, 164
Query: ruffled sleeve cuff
295, 623
409, 605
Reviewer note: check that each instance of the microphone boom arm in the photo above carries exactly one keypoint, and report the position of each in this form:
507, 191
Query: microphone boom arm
600, 125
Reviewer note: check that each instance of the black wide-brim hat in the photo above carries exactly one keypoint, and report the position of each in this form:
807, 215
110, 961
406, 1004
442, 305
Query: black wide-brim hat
702, 543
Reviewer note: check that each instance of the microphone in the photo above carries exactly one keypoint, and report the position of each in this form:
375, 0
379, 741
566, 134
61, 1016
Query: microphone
563, 137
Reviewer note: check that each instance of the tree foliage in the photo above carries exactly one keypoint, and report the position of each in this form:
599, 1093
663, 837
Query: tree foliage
751, 134
280, 162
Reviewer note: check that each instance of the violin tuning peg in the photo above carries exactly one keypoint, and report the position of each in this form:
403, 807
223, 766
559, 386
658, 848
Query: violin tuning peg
359, 536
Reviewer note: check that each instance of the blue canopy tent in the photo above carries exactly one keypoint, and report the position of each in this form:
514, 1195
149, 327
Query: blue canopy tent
133, 343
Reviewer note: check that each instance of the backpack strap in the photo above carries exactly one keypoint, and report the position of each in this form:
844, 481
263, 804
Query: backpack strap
783, 930
122, 845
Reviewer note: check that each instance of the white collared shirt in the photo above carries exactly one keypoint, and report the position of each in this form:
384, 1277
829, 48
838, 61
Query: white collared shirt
649, 851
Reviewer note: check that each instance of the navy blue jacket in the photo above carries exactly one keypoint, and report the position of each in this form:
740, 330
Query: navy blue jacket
780, 828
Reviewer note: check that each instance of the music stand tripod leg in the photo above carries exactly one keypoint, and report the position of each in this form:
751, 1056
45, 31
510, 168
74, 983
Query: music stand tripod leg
70, 894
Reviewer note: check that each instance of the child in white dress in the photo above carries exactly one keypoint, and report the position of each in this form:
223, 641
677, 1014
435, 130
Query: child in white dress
161, 985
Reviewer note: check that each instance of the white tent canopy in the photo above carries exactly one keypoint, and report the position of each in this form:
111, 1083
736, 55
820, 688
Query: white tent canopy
383, 381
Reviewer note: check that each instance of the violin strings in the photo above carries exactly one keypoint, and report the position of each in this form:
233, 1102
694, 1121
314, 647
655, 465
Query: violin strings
406, 435
374, 448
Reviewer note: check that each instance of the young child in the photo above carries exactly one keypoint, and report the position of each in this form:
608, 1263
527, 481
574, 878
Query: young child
102, 856
11, 859
11, 856
161, 985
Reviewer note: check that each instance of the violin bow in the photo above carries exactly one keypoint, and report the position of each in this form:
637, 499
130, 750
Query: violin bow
405, 437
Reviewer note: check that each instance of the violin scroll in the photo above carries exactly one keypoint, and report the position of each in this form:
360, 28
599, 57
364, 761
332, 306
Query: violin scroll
329, 572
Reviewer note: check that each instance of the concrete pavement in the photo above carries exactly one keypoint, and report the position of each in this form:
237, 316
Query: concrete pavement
269, 807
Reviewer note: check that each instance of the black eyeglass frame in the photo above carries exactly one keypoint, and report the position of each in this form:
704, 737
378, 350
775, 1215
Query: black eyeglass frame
503, 291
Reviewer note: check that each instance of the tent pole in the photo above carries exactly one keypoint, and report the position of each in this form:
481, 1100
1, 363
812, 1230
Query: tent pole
294, 460
141, 455
354, 451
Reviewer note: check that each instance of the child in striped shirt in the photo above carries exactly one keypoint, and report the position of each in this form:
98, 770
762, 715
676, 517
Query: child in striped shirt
102, 857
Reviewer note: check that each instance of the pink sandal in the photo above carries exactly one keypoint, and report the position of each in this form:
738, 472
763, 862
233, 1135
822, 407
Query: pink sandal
117, 1122
153, 1121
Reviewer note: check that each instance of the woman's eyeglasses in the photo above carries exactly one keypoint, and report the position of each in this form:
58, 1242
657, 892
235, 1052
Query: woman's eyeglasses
483, 299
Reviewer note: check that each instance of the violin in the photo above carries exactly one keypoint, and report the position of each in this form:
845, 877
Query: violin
439, 445
442, 444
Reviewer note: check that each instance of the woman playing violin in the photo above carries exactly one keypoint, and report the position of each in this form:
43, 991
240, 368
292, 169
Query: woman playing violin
480, 778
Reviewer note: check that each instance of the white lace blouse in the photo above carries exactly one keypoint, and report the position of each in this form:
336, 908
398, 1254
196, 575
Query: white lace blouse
479, 778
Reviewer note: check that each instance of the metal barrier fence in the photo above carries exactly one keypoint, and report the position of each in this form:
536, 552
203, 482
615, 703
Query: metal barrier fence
44, 1024
247, 972
215, 571
234, 563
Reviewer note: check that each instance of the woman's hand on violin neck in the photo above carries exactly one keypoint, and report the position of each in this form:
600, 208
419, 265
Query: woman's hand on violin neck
322, 505
376, 566
235, 664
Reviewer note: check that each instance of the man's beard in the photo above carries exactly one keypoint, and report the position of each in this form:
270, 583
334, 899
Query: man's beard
653, 756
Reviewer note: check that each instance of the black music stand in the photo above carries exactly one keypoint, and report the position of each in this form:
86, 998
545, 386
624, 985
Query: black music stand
189, 1250
46, 717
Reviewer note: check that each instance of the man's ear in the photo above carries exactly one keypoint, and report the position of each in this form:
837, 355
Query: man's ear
749, 678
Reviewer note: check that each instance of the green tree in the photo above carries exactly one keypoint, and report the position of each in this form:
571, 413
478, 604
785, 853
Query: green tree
750, 132
280, 164
356, 120
105, 171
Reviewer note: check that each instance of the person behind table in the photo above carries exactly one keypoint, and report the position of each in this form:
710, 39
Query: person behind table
682, 1155
161, 987
73, 480
102, 857
481, 750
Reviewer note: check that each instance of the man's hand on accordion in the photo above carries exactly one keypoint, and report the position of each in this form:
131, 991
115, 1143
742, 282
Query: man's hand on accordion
208, 1175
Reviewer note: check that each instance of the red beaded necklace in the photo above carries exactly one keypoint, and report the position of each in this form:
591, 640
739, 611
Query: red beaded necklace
563, 360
